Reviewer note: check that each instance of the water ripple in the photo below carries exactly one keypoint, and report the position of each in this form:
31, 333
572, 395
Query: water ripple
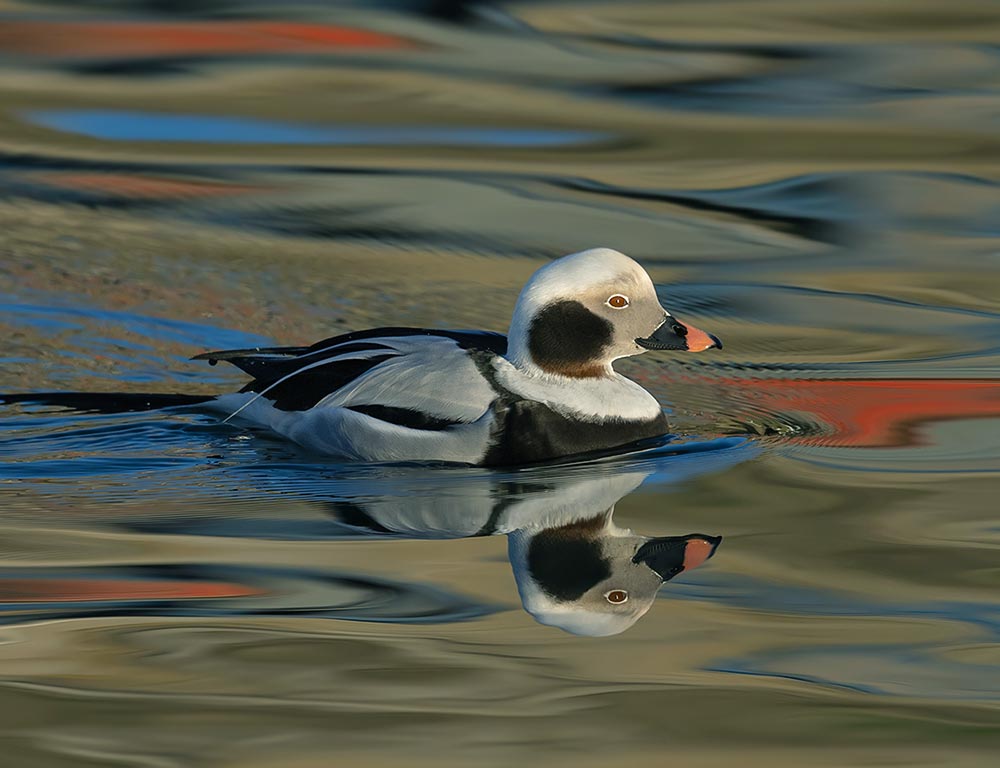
36, 594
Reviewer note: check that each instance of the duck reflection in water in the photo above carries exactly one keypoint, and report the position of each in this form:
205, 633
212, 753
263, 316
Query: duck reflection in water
575, 568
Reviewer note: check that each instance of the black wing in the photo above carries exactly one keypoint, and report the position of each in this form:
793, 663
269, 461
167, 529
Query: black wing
360, 352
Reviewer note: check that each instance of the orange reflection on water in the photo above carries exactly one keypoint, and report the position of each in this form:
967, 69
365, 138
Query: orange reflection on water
138, 187
195, 38
874, 413
66, 590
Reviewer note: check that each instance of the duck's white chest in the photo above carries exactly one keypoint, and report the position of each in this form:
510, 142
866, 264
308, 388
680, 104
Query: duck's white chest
590, 399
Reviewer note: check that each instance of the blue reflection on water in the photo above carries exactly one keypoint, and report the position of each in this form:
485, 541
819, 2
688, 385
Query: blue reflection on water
122, 125
66, 318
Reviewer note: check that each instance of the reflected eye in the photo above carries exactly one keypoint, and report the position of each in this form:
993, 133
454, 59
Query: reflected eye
618, 301
616, 596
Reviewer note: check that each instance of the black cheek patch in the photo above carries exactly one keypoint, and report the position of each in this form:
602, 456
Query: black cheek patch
566, 567
566, 336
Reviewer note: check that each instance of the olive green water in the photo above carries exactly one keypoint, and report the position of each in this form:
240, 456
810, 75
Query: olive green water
815, 183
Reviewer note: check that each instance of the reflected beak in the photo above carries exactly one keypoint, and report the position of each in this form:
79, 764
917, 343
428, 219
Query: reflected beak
670, 555
673, 334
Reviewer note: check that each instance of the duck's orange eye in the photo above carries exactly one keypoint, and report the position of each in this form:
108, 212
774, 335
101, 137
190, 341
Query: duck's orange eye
616, 596
618, 301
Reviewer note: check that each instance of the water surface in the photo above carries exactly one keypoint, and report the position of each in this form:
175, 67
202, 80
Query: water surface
816, 185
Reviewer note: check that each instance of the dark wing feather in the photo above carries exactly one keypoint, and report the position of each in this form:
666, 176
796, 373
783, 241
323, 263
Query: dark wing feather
488, 341
269, 365
275, 362
253, 360
302, 391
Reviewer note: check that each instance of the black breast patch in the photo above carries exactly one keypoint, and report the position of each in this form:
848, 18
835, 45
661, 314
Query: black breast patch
526, 431
565, 337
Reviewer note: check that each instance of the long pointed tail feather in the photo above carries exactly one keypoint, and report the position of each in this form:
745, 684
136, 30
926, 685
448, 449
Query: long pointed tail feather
105, 402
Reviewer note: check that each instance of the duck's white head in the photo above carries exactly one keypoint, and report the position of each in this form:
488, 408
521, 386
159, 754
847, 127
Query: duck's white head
580, 313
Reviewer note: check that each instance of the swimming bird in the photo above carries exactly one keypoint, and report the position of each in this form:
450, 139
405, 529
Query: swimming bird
546, 390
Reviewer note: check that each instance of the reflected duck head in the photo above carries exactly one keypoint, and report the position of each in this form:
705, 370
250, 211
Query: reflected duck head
593, 578
574, 568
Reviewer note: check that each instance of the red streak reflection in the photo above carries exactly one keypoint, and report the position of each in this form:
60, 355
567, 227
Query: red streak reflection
136, 187
877, 413
82, 590
206, 38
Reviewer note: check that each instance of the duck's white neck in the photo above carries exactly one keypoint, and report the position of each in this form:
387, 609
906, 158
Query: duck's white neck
517, 344
597, 398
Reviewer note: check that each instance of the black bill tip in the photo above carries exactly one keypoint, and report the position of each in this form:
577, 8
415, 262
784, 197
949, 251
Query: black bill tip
670, 555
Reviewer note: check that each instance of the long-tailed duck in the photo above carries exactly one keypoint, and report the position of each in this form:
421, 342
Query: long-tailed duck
546, 390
